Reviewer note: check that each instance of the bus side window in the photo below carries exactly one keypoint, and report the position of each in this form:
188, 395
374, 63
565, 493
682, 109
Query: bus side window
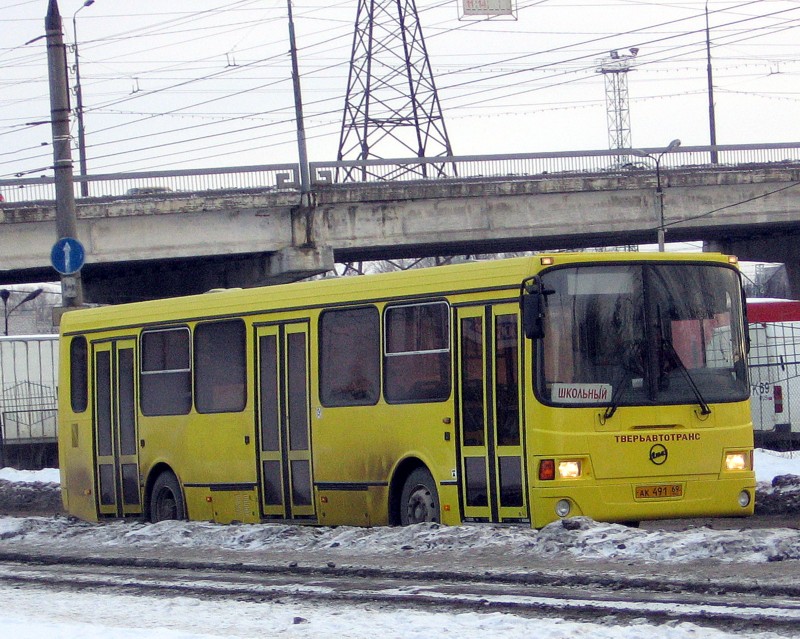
349, 361
78, 374
220, 367
417, 352
507, 380
166, 385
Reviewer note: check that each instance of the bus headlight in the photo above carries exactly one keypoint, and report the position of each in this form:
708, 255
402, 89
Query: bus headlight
738, 461
569, 469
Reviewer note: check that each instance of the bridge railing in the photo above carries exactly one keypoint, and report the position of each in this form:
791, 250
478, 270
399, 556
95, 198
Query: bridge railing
285, 177
532, 165
278, 177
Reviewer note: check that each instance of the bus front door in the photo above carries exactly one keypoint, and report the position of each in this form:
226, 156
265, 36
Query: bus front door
115, 428
492, 477
284, 437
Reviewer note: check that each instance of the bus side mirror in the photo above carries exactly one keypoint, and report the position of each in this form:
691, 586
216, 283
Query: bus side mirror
532, 315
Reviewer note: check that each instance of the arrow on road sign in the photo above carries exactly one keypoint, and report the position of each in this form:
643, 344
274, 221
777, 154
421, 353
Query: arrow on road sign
67, 256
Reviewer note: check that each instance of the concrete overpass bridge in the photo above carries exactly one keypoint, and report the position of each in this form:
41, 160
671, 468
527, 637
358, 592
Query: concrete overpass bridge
156, 234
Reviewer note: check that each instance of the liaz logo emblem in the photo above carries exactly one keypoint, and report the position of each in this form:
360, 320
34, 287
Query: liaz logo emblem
658, 454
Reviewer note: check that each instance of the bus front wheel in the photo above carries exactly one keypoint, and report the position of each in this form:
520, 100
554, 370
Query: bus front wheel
166, 499
419, 501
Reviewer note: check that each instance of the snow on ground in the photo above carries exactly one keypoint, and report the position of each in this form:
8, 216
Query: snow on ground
130, 617
769, 464
31, 613
46, 476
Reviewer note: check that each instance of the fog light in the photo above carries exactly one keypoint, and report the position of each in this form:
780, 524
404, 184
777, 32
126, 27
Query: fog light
744, 499
563, 507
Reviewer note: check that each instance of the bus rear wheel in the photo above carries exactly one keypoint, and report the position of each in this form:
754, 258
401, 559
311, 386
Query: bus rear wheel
419, 501
166, 499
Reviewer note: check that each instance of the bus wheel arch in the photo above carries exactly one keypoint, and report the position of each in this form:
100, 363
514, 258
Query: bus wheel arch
414, 497
165, 499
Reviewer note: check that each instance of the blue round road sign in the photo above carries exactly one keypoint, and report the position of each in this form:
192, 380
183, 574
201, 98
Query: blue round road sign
67, 256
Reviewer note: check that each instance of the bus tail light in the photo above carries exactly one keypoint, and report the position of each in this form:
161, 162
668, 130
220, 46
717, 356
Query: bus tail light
777, 398
569, 469
547, 469
739, 460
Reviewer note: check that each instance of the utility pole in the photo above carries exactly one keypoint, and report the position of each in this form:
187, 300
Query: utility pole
711, 120
79, 98
66, 219
305, 188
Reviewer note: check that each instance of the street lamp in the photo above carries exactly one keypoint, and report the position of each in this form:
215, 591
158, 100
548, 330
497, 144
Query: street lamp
5, 294
79, 97
659, 191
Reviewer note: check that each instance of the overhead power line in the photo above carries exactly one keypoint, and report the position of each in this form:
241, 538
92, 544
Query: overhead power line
500, 79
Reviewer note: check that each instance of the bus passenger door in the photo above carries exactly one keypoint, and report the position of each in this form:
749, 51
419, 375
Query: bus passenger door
284, 436
493, 481
115, 428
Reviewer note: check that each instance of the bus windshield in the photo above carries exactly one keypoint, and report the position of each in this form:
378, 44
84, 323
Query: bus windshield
642, 334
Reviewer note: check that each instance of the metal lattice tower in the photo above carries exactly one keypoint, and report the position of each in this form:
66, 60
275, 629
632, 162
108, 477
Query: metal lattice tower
392, 109
615, 73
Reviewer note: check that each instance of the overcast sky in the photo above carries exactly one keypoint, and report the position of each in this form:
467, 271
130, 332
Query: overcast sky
208, 83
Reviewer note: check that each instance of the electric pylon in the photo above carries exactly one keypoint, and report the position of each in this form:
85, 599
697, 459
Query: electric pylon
391, 109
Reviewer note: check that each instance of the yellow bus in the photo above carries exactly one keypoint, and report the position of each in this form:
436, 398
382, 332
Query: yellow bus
612, 386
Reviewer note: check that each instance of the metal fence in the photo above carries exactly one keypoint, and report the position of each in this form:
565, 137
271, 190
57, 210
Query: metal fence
28, 400
542, 165
285, 177
161, 184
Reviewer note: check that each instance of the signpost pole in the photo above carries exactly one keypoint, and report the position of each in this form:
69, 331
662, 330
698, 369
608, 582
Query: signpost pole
66, 218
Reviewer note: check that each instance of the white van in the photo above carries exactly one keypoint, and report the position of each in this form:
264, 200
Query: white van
774, 364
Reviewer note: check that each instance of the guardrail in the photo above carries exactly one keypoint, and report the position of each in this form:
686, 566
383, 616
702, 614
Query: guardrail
285, 177
277, 177
533, 165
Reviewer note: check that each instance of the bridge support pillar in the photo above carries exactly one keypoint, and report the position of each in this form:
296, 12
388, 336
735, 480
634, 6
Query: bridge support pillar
291, 264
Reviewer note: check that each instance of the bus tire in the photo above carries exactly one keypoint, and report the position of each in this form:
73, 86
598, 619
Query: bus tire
419, 501
166, 499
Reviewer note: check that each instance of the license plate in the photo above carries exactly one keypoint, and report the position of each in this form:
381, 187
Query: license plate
659, 491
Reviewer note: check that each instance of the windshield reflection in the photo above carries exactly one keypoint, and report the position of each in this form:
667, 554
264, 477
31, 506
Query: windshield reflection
619, 335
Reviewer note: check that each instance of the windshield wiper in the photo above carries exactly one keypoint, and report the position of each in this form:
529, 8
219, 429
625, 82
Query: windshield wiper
667, 345
616, 397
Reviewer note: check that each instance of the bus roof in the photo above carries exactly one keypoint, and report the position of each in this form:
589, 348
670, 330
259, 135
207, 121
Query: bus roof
484, 274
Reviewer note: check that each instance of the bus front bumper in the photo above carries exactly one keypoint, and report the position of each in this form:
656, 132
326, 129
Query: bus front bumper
628, 501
